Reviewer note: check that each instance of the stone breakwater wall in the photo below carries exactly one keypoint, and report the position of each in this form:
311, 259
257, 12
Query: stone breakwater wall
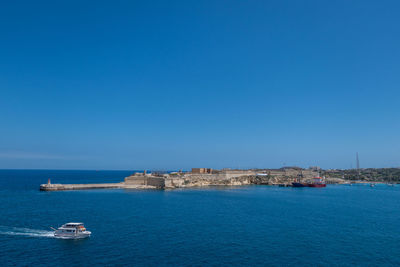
64, 187
61, 187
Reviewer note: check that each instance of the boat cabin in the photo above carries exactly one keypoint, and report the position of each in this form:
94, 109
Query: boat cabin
74, 225
72, 228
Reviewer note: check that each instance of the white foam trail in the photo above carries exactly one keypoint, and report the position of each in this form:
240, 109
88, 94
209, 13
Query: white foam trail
25, 232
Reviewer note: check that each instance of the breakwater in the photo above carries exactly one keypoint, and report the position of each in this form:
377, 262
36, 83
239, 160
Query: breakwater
60, 187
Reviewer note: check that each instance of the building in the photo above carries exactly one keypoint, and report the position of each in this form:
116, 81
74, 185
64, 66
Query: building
202, 170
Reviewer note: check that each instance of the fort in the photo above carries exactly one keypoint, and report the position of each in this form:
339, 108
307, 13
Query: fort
199, 177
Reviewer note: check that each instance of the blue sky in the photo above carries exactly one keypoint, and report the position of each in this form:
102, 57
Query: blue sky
181, 84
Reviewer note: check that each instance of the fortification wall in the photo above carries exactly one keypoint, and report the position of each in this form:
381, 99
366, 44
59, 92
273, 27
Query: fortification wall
136, 180
158, 182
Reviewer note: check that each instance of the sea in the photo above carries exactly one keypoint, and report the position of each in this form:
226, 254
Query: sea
257, 225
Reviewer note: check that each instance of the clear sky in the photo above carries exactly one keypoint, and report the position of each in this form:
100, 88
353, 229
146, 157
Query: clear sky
181, 84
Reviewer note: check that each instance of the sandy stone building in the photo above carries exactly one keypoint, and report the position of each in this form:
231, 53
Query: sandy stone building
202, 170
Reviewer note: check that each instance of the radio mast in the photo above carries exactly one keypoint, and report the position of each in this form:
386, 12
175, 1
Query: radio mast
358, 165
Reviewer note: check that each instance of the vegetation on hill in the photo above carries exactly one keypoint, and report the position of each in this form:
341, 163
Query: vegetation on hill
369, 174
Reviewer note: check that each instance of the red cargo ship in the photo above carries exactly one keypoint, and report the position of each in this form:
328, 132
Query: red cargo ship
318, 182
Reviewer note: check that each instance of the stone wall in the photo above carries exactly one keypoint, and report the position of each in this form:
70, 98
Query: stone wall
136, 180
145, 180
158, 182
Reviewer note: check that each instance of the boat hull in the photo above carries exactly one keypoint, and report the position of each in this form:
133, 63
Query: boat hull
299, 185
316, 185
85, 234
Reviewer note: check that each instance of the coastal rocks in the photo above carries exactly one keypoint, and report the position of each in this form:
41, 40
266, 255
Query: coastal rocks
271, 180
188, 182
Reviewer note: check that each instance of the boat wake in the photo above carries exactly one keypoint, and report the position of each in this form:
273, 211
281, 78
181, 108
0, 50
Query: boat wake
6, 230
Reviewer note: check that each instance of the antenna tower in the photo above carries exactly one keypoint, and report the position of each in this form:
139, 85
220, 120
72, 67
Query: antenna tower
358, 165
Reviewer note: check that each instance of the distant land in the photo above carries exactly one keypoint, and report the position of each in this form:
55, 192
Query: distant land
365, 174
199, 177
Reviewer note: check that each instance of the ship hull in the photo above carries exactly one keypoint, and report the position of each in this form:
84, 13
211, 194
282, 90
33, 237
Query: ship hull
299, 185
84, 234
316, 185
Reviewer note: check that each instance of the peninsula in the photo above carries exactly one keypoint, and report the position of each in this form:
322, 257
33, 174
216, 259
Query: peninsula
199, 177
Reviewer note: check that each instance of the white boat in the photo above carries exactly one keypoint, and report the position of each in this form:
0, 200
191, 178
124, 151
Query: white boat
71, 230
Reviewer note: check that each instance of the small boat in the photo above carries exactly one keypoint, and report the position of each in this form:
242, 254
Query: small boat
372, 185
71, 230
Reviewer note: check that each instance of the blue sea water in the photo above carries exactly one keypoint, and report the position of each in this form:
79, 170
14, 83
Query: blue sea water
238, 226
